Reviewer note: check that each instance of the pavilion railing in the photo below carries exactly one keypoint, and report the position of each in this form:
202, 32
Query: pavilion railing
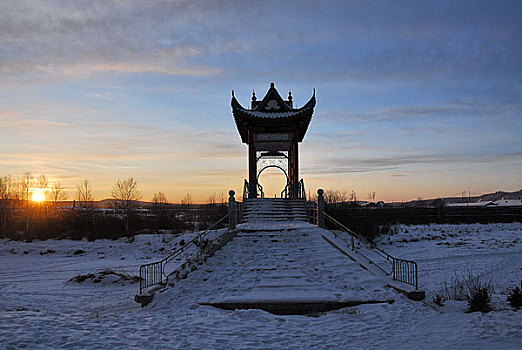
284, 192
301, 192
239, 211
311, 212
401, 270
300, 188
261, 191
246, 190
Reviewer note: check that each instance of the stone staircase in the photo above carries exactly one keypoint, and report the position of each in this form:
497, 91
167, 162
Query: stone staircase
274, 210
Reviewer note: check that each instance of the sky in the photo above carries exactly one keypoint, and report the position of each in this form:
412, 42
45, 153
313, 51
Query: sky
414, 98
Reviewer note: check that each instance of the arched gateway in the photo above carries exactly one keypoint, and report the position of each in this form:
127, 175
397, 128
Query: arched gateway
272, 129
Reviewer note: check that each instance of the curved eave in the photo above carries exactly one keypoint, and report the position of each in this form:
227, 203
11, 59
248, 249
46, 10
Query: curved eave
237, 106
301, 116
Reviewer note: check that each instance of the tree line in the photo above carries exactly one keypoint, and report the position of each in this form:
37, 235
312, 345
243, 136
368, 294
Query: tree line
32, 208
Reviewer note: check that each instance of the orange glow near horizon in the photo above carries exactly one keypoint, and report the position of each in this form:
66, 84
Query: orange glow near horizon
38, 195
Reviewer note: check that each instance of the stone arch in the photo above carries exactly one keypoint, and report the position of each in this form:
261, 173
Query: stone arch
268, 167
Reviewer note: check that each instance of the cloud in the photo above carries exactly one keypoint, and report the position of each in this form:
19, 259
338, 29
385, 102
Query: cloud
101, 36
344, 41
398, 175
129, 68
456, 108
401, 163
112, 86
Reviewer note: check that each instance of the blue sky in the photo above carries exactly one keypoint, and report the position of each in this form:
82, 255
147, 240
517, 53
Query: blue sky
414, 99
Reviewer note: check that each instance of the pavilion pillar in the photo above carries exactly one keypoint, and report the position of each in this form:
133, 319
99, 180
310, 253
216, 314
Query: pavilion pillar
295, 161
252, 166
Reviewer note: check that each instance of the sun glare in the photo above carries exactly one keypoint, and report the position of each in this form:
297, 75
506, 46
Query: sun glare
38, 195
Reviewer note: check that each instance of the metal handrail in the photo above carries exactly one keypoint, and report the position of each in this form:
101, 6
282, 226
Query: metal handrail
246, 190
153, 273
311, 211
261, 191
302, 192
402, 270
358, 236
285, 191
239, 211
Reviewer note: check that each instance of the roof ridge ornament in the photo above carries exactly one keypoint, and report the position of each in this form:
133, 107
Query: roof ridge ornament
272, 104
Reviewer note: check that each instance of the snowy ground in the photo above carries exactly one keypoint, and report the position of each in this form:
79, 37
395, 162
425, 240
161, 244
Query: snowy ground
40, 309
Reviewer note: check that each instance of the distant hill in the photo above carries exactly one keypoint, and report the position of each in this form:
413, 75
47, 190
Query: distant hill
500, 194
485, 197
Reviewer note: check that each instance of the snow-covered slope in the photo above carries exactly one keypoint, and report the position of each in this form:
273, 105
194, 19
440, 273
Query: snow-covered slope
38, 309
294, 264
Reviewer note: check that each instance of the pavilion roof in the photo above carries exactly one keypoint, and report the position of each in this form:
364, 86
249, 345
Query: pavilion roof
272, 111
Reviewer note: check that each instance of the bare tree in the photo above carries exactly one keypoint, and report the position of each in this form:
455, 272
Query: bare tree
335, 196
371, 196
9, 195
312, 195
86, 200
187, 200
26, 184
84, 194
159, 199
4, 199
57, 195
212, 199
42, 184
159, 204
353, 196
126, 196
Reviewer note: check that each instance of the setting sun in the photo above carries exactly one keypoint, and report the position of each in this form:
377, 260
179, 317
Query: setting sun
38, 195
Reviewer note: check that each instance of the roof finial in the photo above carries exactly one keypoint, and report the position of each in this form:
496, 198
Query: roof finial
254, 96
272, 85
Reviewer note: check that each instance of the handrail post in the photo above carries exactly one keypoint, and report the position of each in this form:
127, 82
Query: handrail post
141, 280
416, 277
232, 210
320, 208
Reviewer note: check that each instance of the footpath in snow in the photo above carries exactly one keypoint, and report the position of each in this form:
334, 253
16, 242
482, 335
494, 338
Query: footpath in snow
280, 262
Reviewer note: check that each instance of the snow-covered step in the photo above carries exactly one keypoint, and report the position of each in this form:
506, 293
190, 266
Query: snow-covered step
287, 268
274, 210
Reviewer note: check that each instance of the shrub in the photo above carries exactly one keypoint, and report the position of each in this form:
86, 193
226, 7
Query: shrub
479, 299
515, 296
478, 294
467, 287
454, 289
439, 300
82, 278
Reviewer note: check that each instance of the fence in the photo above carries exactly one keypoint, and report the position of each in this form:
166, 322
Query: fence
401, 270
156, 273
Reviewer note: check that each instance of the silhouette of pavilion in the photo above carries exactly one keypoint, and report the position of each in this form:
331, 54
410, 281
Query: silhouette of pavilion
272, 129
